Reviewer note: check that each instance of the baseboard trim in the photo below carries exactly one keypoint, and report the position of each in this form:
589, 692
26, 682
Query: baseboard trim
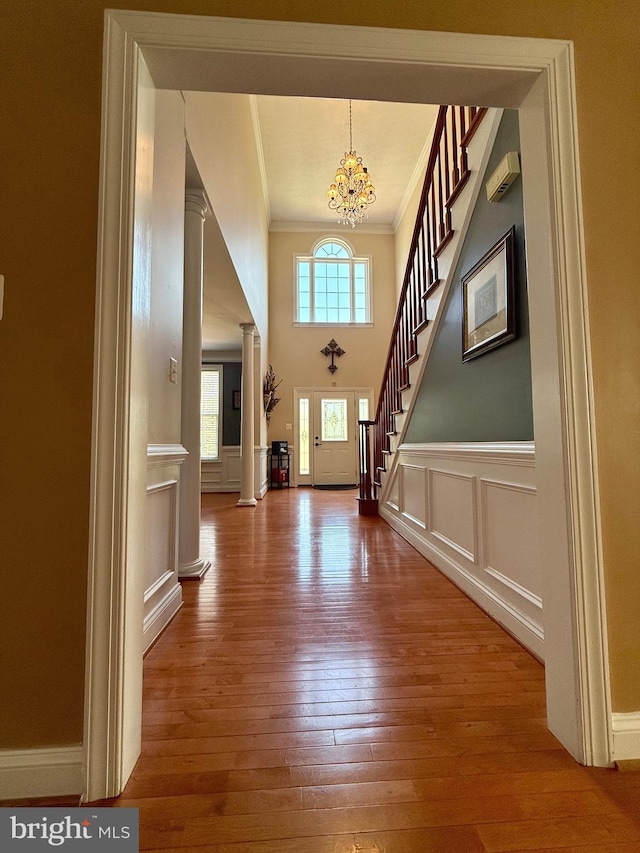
526, 632
626, 736
31, 773
161, 615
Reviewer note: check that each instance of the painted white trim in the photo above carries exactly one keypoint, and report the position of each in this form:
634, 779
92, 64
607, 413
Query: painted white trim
470, 480
215, 476
564, 423
626, 736
261, 478
106, 594
504, 452
157, 620
162, 455
460, 545
499, 608
30, 773
512, 67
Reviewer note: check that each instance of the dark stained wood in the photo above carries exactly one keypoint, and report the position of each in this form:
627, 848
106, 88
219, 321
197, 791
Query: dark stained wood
324, 689
445, 176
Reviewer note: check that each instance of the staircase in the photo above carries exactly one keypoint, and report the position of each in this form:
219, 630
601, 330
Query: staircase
448, 185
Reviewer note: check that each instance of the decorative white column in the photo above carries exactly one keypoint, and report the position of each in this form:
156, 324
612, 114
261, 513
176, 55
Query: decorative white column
190, 563
247, 491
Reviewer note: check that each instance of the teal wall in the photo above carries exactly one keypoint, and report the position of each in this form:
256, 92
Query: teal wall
231, 376
489, 397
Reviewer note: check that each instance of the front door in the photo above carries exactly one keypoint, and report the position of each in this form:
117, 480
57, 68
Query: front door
335, 427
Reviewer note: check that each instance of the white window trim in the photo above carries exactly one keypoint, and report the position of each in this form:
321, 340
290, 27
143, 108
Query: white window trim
353, 259
220, 369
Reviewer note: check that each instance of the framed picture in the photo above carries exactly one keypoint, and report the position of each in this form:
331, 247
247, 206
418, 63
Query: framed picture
235, 399
488, 292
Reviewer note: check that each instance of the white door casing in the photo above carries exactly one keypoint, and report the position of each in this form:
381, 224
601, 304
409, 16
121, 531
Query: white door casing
533, 75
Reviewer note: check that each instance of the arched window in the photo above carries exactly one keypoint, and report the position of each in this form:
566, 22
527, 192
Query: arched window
332, 286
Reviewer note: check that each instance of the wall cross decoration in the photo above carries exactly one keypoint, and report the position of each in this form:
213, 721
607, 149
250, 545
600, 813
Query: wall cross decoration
332, 349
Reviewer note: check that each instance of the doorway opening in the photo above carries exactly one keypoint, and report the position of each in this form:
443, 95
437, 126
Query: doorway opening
182, 52
326, 430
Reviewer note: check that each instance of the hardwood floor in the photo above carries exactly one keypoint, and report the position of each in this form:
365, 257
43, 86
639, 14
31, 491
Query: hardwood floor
324, 689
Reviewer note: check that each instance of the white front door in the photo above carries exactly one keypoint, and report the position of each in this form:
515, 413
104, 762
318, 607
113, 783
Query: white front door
335, 425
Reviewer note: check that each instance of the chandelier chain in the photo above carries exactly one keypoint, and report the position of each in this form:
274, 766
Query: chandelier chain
350, 129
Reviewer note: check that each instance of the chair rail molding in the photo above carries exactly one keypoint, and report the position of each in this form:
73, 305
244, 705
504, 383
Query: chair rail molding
182, 52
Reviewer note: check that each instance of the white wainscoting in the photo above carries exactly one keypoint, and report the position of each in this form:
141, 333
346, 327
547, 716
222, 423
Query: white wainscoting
224, 475
163, 593
261, 472
471, 509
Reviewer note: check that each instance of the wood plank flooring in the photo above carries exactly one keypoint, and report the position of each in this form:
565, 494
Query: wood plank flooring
324, 689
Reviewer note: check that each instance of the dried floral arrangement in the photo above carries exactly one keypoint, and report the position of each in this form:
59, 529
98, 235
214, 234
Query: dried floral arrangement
271, 382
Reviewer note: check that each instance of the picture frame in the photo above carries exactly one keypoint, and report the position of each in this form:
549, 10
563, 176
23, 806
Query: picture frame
235, 399
488, 300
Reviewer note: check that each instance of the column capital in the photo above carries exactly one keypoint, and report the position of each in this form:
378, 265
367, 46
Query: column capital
248, 328
195, 201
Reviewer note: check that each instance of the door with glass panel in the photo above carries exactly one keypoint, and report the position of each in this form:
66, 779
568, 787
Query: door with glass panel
334, 438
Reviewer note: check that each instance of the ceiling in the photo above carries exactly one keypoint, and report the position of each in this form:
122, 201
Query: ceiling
302, 141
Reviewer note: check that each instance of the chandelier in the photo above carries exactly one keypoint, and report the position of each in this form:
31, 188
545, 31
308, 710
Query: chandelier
352, 192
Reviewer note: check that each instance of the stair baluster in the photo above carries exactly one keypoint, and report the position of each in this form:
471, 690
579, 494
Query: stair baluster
446, 174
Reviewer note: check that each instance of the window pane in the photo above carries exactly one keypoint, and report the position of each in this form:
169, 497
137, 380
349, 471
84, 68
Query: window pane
334, 420
303, 425
334, 250
363, 409
332, 271
210, 413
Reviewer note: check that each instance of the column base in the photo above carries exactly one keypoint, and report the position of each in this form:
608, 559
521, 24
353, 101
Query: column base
247, 502
194, 570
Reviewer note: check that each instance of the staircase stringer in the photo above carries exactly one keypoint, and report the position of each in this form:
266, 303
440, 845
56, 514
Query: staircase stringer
479, 152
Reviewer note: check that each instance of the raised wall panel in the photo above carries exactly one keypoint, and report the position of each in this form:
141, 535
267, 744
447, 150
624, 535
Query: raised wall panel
163, 593
480, 507
511, 549
161, 531
452, 511
414, 506
223, 475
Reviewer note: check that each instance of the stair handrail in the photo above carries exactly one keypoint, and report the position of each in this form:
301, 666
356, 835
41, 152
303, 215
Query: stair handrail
446, 174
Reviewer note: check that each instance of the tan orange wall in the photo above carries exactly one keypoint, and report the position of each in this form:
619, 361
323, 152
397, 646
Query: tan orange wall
294, 351
51, 87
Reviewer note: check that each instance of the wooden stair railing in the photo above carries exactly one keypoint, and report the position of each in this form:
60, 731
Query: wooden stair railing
447, 173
